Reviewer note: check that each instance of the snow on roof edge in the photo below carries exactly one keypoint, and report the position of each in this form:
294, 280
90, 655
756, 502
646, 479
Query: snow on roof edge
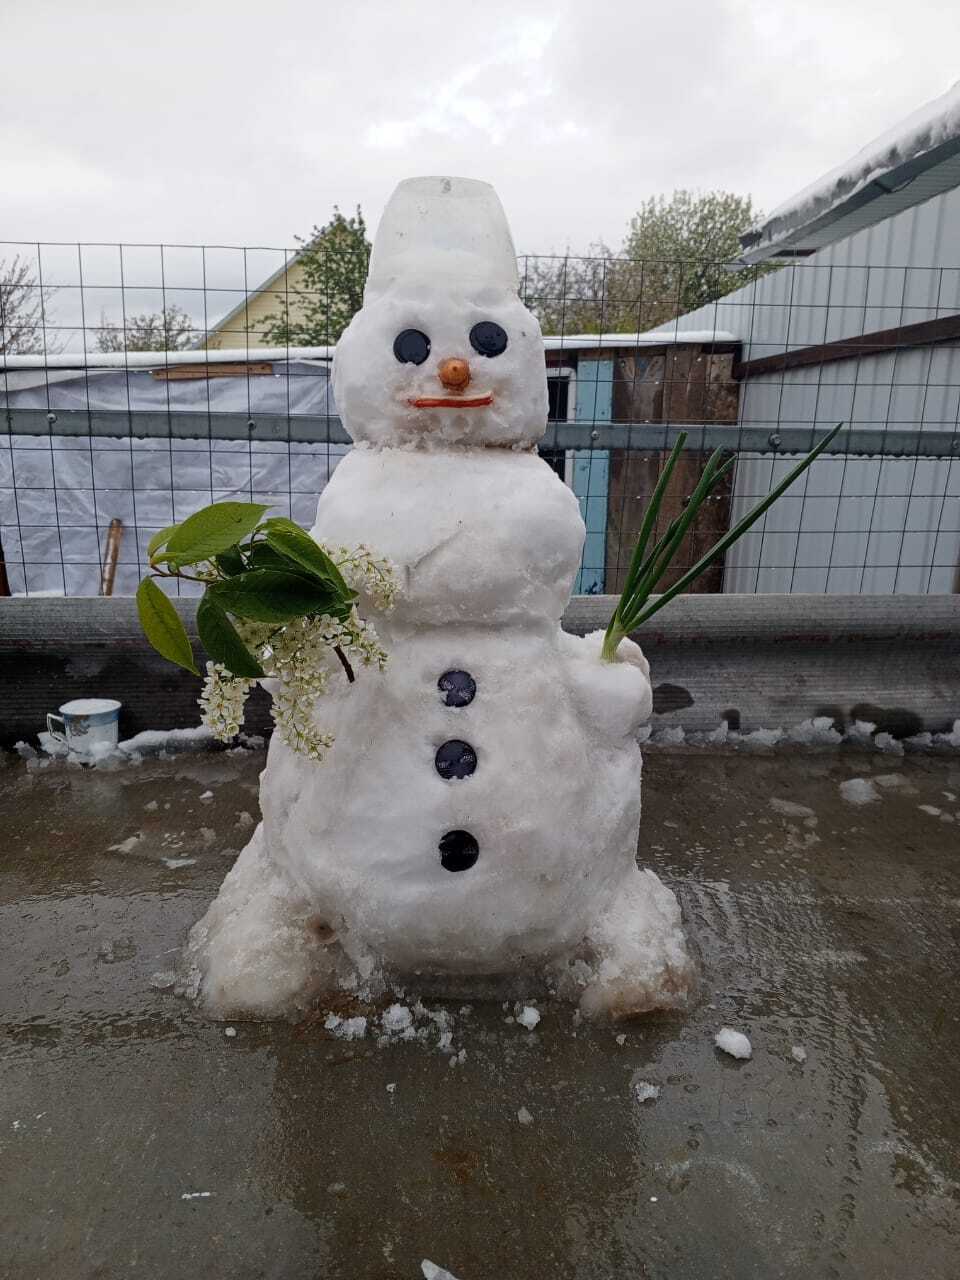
931, 126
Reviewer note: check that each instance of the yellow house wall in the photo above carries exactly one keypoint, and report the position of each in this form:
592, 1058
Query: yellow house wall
246, 327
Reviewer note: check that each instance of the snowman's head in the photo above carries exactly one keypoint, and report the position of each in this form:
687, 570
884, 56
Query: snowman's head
443, 352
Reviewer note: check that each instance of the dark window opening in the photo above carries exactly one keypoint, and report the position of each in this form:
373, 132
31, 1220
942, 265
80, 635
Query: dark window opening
558, 395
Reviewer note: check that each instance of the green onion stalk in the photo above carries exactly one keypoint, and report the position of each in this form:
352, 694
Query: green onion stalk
649, 565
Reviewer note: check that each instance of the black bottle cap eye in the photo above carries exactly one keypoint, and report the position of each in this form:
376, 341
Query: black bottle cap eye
458, 688
458, 851
411, 346
455, 759
488, 339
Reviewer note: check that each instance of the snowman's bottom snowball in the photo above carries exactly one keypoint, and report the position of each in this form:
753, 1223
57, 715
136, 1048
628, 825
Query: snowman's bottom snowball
635, 959
262, 951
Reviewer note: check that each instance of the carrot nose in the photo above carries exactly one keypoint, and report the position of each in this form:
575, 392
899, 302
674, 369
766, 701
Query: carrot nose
454, 373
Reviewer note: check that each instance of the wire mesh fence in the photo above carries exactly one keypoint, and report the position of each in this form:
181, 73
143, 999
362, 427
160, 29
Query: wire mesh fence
138, 383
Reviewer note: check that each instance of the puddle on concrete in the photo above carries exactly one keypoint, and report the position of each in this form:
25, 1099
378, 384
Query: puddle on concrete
821, 924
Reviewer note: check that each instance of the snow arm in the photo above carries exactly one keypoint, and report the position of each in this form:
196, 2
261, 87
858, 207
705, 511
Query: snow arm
615, 697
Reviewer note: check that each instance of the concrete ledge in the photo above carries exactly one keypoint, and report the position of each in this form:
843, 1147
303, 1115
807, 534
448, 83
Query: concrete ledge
758, 661
768, 661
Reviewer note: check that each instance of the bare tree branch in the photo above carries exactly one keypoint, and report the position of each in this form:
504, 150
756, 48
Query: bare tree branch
25, 326
167, 330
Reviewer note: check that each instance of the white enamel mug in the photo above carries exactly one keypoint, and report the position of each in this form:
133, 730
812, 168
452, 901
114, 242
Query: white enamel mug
86, 725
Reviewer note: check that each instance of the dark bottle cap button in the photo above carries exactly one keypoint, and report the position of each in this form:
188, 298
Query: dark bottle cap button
455, 759
458, 851
458, 688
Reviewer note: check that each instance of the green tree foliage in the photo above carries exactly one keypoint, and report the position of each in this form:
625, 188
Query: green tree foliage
571, 294
167, 330
681, 245
670, 262
334, 262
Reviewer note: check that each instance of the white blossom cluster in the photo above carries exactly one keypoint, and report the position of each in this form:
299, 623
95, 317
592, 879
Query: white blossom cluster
303, 656
373, 576
222, 701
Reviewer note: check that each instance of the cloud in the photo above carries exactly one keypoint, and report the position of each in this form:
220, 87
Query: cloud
230, 124
38, 170
491, 96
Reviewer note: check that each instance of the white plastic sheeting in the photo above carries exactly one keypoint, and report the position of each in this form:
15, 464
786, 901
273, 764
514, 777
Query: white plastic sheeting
58, 494
292, 386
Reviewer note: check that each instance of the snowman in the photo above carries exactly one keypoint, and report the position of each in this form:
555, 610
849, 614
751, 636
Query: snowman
475, 825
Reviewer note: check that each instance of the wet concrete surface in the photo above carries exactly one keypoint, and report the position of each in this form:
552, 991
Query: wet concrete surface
831, 926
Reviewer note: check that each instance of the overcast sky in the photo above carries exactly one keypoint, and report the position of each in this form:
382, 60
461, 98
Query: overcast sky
237, 123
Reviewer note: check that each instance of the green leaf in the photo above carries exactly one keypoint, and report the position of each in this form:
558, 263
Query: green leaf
212, 530
291, 541
281, 522
230, 562
158, 539
270, 595
162, 626
260, 556
219, 637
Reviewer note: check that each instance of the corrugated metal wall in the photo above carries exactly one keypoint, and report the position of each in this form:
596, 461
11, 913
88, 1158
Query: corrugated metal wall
853, 524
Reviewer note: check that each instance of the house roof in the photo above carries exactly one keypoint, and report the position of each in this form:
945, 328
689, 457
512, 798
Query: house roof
262, 287
908, 164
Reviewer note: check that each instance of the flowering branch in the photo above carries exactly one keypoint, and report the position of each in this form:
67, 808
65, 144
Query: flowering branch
276, 604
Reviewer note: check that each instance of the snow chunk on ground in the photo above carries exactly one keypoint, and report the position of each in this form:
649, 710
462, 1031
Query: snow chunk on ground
733, 1042
762, 738
819, 731
859, 791
432, 1272
346, 1028
798, 1053
644, 1091
672, 737
524, 1116
125, 846
157, 740
790, 809
528, 1017
890, 781
397, 1018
